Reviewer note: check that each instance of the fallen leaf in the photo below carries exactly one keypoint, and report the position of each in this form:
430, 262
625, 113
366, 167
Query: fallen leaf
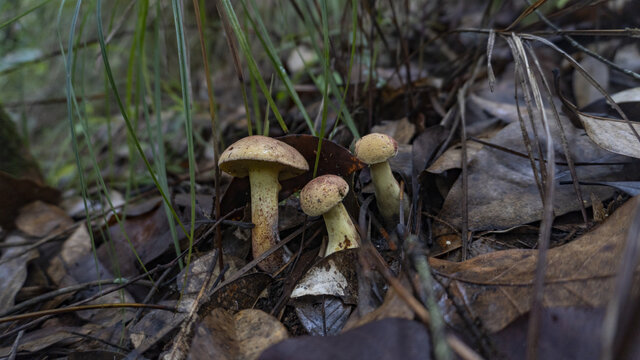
497, 287
609, 131
502, 189
17, 192
333, 275
76, 265
41, 339
565, 333
583, 91
243, 336
392, 307
242, 293
385, 339
156, 324
13, 270
452, 157
401, 130
199, 270
322, 315
39, 219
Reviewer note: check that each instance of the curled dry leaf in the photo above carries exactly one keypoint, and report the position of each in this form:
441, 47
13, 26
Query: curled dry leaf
243, 336
497, 287
613, 134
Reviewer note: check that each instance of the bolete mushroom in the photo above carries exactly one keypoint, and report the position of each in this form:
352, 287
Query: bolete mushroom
374, 150
264, 160
323, 196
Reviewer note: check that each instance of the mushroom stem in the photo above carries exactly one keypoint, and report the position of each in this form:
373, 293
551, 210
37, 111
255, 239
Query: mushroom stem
387, 191
264, 214
342, 233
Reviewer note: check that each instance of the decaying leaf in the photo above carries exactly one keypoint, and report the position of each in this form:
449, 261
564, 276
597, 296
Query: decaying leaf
13, 270
40, 219
392, 307
323, 315
323, 298
43, 338
17, 192
384, 339
156, 324
76, 264
497, 287
613, 134
565, 333
199, 271
242, 293
583, 91
333, 275
502, 189
243, 336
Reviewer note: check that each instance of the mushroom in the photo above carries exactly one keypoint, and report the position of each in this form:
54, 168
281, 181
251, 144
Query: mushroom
323, 196
375, 149
264, 160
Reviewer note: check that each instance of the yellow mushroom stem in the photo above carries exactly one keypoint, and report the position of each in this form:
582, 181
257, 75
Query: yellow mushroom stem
264, 214
342, 233
387, 191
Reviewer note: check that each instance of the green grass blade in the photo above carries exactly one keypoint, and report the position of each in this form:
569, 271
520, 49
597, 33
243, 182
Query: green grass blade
327, 74
186, 100
114, 88
18, 17
253, 67
263, 35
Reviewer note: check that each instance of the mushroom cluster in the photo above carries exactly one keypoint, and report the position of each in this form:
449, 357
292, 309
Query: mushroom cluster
266, 161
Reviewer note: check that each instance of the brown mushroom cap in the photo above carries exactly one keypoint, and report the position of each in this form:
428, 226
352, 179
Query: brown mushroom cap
376, 148
247, 152
322, 193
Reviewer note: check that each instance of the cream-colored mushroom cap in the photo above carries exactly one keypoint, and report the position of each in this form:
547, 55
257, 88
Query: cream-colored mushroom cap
376, 148
247, 152
322, 193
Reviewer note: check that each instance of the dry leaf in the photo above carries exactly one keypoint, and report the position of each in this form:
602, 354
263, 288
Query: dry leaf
17, 192
613, 134
565, 333
583, 91
40, 219
502, 189
242, 336
497, 287
75, 265
13, 270
385, 339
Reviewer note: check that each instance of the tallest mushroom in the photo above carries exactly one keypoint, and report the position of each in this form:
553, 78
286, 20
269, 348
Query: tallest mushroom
265, 161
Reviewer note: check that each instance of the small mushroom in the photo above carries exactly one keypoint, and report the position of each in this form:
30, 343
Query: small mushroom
375, 149
323, 196
264, 160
